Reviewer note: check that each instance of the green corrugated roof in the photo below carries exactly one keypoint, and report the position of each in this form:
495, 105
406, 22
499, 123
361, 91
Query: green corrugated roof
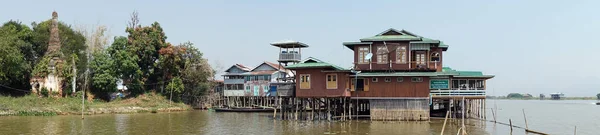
391, 38
400, 74
455, 73
311, 62
427, 41
402, 36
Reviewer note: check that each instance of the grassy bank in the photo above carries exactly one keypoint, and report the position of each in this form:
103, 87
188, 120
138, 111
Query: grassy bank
32, 105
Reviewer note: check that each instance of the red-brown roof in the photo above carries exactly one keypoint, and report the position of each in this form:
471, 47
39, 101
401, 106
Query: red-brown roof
277, 66
260, 73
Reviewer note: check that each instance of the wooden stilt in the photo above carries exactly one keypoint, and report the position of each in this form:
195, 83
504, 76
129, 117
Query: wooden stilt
445, 119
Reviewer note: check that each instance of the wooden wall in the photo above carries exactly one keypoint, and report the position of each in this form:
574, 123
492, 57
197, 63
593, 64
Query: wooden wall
392, 56
318, 82
406, 88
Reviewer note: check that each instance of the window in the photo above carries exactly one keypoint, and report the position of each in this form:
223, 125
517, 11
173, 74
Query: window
388, 79
399, 79
480, 85
331, 81
360, 85
471, 85
382, 54
463, 84
304, 81
435, 57
362, 53
374, 79
265, 88
248, 88
401, 54
420, 58
455, 84
417, 79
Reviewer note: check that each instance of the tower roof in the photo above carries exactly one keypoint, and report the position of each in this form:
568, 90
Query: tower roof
289, 44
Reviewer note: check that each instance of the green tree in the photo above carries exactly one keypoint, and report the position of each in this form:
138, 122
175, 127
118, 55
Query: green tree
145, 42
175, 88
126, 66
514, 95
15, 55
104, 77
196, 72
598, 96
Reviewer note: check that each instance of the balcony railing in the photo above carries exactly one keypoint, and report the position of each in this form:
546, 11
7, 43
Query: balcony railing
233, 81
426, 64
442, 93
289, 57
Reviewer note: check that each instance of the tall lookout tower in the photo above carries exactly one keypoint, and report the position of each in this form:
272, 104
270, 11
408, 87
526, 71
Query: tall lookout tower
290, 52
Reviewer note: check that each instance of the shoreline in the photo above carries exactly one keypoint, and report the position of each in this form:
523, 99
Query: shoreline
95, 111
32, 105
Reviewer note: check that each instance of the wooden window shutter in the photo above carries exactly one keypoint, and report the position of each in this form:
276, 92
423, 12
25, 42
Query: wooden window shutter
351, 84
366, 86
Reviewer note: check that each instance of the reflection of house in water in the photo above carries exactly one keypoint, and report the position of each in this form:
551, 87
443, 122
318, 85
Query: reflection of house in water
556, 96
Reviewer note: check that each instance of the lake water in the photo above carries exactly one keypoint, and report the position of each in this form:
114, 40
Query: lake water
554, 117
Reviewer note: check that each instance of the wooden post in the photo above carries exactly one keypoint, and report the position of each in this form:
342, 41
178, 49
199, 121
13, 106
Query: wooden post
296, 114
463, 115
511, 126
493, 115
274, 112
524, 117
328, 110
445, 119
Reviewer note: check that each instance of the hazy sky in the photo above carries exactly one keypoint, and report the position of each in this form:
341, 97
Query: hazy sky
532, 46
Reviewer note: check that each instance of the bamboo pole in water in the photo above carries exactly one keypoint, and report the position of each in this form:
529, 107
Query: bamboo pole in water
524, 117
463, 115
511, 126
445, 119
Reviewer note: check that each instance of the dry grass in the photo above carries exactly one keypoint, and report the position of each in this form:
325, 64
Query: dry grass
33, 105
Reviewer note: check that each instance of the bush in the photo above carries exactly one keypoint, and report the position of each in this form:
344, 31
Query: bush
44, 92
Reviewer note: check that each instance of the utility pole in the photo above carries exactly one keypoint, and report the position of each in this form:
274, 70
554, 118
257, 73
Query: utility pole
171, 98
74, 73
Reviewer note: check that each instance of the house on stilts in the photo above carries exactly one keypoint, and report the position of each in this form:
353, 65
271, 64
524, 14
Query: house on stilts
260, 86
396, 75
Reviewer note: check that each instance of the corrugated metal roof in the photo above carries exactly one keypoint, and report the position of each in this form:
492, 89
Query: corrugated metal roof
289, 44
259, 73
391, 38
446, 71
396, 35
311, 62
400, 74
420, 46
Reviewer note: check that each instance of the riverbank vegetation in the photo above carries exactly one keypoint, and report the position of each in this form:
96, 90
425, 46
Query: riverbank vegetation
143, 61
32, 105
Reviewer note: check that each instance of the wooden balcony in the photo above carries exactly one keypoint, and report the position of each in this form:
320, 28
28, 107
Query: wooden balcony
289, 57
233, 81
431, 65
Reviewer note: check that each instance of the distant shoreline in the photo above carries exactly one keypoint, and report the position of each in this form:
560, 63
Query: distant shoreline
546, 98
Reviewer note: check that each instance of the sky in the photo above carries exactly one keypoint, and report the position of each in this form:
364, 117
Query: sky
531, 46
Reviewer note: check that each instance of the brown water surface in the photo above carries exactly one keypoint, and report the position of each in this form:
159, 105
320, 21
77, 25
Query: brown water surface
555, 117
